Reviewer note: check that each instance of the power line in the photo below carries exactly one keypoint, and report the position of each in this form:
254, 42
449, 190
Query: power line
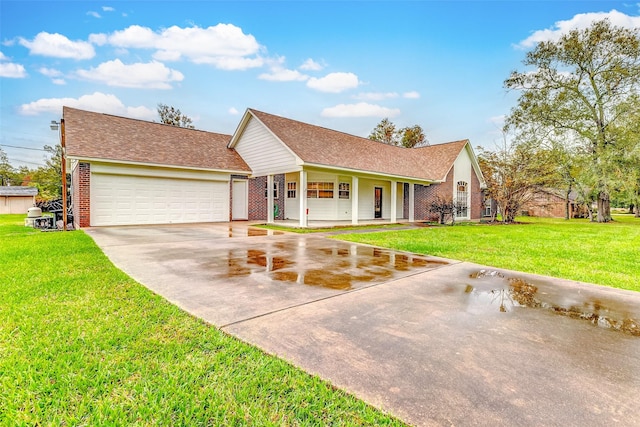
23, 148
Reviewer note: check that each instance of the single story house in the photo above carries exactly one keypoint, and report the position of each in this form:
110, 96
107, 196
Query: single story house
554, 203
127, 171
17, 200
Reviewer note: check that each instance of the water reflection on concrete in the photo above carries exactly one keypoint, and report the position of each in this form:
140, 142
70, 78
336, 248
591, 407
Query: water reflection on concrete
515, 292
318, 262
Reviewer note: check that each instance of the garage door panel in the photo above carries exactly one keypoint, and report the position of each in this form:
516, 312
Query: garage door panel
124, 200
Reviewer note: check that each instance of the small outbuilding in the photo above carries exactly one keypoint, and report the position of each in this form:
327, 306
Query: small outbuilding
16, 200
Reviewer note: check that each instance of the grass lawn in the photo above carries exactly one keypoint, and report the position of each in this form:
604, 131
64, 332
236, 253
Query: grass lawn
605, 254
81, 343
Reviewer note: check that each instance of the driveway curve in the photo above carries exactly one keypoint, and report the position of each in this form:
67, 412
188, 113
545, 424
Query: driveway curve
430, 340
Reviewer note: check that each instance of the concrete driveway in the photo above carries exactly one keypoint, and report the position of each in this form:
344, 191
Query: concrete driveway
432, 341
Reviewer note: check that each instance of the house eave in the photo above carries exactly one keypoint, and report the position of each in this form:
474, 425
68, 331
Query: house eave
360, 172
155, 165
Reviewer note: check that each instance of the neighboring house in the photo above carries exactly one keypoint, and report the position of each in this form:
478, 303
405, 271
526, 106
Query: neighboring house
549, 202
17, 200
127, 171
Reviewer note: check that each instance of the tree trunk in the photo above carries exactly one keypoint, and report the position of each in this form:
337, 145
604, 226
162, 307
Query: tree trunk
567, 204
604, 207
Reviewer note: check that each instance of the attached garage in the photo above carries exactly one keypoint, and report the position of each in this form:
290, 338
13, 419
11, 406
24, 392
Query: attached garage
130, 172
127, 200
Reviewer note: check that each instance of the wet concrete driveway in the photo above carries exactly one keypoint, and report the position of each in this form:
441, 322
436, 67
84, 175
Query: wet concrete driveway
433, 341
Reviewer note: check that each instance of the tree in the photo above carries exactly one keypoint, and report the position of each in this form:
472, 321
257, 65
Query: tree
48, 178
514, 174
575, 91
174, 117
408, 137
7, 171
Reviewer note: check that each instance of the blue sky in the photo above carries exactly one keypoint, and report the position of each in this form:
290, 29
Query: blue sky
344, 65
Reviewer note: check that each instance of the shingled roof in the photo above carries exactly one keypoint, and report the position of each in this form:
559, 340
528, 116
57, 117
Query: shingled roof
18, 191
100, 136
321, 146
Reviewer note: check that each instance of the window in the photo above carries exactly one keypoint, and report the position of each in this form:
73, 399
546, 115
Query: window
320, 190
461, 199
275, 189
292, 190
487, 207
343, 190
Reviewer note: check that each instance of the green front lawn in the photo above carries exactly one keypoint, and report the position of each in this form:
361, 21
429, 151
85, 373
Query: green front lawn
81, 343
605, 254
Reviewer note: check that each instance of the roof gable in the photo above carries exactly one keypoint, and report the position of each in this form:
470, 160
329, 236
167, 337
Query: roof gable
92, 135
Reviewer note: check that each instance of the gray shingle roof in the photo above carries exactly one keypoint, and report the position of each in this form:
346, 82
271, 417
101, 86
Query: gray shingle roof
322, 146
18, 191
92, 135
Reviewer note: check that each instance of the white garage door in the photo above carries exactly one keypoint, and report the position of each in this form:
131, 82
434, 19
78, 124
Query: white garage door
128, 200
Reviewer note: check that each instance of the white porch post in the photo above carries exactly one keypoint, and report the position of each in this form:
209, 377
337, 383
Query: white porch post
270, 218
394, 202
354, 200
302, 195
412, 202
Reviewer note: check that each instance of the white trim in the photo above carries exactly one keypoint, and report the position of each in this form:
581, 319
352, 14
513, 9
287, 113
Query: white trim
370, 174
94, 160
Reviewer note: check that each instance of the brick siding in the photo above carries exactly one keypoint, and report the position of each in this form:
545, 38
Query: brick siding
426, 194
258, 201
81, 197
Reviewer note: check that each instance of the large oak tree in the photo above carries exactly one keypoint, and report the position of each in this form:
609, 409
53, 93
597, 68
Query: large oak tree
575, 90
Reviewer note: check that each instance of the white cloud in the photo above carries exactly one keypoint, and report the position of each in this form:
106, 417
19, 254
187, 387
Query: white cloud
375, 96
3, 57
94, 14
58, 46
233, 111
283, 75
12, 70
311, 65
497, 120
50, 72
98, 102
150, 75
59, 82
411, 95
579, 22
108, 9
361, 109
224, 46
334, 82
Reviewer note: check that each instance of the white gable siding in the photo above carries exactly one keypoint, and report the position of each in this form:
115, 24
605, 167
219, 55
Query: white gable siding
365, 202
462, 171
263, 152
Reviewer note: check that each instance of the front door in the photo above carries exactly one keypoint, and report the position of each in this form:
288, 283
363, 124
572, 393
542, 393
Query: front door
377, 202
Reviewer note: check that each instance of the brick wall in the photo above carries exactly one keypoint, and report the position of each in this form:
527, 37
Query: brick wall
81, 181
426, 194
258, 201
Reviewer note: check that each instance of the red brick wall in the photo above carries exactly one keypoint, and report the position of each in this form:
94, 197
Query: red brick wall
546, 205
426, 194
258, 201
81, 181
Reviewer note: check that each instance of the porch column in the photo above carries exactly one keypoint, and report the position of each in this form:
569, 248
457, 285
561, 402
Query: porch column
394, 202
270, 218
354, 200
302, 195
412, 202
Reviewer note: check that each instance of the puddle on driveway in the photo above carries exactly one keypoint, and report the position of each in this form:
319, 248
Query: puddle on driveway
332, 266
507, 294
251, 232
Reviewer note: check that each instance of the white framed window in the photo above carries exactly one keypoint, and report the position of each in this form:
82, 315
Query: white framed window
320, 190
344, 190
487, 207
266, 190
461, 199
292, 190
